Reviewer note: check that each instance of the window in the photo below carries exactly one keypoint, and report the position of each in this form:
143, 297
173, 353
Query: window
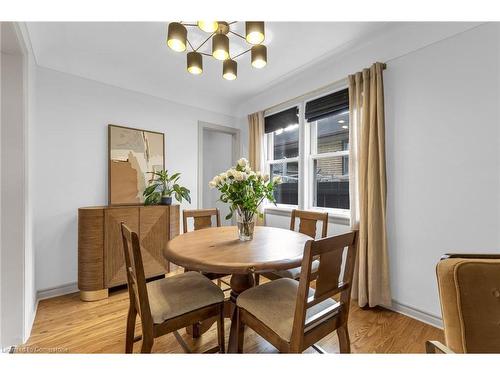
282, 138
311, 153
330, 160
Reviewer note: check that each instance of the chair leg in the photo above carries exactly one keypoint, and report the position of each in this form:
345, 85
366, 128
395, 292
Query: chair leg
220, 329
129, 335
196, 330
257, 279
147, 342
240, 329
344, 342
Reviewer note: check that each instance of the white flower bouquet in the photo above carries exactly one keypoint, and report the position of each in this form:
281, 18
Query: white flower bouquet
244, 190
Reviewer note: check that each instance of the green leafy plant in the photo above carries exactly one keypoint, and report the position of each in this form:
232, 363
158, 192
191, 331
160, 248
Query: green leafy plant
244, 189
163, 185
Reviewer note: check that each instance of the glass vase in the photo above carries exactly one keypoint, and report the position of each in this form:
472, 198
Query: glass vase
246, 224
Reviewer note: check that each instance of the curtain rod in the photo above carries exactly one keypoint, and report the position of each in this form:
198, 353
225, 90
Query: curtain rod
318, 90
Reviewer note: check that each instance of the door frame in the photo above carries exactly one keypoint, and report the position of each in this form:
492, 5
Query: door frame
206, 126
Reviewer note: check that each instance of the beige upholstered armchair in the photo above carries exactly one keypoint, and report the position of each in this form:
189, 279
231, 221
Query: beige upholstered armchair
469, 291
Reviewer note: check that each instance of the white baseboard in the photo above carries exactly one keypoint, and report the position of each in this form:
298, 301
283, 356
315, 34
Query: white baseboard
57, 291
417, 314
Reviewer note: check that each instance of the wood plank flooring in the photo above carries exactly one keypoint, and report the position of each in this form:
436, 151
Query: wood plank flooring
67, 325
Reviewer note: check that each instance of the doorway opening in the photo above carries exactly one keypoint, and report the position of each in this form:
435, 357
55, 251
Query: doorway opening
219, 148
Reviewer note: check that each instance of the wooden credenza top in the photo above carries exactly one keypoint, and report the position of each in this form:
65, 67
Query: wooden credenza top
123, 206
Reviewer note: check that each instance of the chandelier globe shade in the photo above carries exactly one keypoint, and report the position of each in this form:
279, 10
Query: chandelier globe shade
177, 36
254, 32
259, 56
208, 26
230, 70
194, 63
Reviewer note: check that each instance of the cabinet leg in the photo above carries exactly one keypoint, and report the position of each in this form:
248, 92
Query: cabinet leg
93, 295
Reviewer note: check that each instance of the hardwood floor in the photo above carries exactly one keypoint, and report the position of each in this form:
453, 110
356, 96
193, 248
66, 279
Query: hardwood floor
67, 325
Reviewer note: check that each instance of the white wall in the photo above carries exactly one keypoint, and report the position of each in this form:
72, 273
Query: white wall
443, 146
443, 159
29, 67
71, 157
12, 200
17, 305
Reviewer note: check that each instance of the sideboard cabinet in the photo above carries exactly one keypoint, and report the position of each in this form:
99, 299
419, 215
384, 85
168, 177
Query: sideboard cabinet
101, 264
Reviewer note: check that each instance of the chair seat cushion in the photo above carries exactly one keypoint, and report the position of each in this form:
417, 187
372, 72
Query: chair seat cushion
180, 294
274, 303
294, 273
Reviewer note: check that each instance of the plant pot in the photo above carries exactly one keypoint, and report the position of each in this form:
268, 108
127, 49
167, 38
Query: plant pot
166, 201
246, 224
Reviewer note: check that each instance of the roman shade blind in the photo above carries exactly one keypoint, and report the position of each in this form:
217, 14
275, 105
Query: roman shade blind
327, 105
281, 120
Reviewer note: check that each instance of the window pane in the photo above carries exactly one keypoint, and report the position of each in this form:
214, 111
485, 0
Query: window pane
331, 182
333, 133
286, 142
288, 191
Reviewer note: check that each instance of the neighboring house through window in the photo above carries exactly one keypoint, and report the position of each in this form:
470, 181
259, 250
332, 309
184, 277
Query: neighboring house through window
308, 146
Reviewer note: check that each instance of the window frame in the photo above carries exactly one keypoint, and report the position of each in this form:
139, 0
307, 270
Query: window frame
269, 157
306, 157
312, 157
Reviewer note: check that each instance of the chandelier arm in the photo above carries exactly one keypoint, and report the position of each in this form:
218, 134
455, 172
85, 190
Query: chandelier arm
205, 54
242, 53
206, 40
232, 23
188, 24
190, 45
241, 36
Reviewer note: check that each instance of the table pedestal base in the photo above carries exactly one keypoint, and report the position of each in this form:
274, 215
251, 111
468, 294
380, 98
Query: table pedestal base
239, 283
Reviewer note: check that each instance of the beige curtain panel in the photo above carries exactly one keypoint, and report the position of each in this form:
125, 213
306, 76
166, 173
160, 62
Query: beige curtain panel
256, 140
368, 193
256, 146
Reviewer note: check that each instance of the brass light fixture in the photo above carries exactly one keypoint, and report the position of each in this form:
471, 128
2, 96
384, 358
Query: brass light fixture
254, 32
259, 56
194, 63
208, 26
177, 36
219, 31
220, 47
230, 69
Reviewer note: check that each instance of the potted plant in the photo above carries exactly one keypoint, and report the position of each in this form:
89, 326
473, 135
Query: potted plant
244, 190
162, 186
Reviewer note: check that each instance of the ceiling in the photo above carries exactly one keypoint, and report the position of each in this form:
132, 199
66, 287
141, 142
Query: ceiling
134, 55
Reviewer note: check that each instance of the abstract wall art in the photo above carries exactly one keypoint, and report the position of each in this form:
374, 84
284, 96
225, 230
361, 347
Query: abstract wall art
132, 153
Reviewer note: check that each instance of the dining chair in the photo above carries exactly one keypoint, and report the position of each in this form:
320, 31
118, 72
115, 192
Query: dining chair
307, 225
290, 314
168, 304
469, 292
202, 219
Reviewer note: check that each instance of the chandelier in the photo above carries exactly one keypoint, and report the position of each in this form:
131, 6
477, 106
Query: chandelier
177, 39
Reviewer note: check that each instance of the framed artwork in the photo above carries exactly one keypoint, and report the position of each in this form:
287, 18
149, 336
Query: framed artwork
131, 154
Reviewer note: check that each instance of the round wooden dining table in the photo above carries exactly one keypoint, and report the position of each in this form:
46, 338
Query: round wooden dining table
218, 250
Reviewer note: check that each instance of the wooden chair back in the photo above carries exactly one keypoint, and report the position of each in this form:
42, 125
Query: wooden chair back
136, 279
202, 218
332, 279
308, 222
